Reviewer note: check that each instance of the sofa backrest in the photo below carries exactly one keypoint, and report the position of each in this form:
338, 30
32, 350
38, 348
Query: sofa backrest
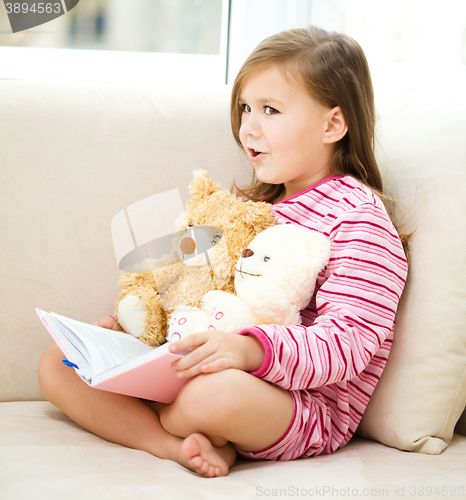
72, 156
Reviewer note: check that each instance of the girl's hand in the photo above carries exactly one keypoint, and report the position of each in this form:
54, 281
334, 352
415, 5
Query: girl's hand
107, 322
213, 351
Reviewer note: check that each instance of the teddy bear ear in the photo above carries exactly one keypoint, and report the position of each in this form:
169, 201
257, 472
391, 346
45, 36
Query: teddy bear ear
260, 215
319, 247
202, 185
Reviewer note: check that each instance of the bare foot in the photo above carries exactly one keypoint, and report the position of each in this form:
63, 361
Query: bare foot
205, 458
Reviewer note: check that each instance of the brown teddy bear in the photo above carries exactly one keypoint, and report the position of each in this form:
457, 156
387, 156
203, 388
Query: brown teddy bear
220, 225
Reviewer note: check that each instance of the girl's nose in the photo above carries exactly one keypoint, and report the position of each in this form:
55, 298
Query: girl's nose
247, 252
250, 126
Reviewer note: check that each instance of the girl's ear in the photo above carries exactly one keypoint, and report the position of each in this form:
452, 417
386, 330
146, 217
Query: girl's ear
336, 126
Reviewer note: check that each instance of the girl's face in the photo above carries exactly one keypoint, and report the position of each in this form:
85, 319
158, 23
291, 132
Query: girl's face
285, 132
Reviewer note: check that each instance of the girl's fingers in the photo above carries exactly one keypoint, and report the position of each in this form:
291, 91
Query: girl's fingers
215, 366
210, 352
106, 322
209, 365
188, 371
194, 358
198, 361
189, 342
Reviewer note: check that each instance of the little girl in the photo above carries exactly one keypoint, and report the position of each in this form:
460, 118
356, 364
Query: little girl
303, 110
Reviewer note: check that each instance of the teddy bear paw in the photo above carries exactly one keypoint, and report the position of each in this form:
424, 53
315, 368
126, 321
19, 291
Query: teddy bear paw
218, 320
186, 320
132, 315
227, 312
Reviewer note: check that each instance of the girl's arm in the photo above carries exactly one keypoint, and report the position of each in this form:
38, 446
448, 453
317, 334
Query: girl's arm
356, 308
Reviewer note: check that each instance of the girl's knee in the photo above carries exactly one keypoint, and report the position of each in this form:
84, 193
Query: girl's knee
213, 396
49, 370
52, 356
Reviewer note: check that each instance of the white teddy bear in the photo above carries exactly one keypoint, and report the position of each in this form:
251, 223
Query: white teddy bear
275, 278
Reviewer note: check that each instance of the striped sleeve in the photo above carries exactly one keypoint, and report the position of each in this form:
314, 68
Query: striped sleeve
355, 303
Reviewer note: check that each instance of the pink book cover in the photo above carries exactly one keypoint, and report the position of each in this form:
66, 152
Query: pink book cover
152, 378
147, 376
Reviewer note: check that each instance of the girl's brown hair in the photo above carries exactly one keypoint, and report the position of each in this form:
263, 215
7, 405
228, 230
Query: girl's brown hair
333, 69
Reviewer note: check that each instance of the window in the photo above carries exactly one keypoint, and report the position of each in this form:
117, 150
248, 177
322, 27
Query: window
416, 43
129, 40
179, 41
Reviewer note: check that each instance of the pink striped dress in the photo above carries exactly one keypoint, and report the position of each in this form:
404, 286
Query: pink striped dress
332, 362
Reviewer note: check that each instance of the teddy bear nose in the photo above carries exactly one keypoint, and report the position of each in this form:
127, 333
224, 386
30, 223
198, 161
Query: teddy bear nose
247, 252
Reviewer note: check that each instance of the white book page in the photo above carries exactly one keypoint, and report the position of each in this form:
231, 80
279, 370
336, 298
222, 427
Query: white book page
105, 348
74, 347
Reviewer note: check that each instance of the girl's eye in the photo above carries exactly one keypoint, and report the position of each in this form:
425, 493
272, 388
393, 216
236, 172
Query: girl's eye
246, 108
270, 111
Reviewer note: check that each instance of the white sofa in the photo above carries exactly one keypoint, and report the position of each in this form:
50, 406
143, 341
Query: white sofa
72, 155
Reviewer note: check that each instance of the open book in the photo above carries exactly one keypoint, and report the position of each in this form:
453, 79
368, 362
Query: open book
115, 361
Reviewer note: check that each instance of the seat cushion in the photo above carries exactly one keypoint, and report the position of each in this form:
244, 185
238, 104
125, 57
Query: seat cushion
44, 455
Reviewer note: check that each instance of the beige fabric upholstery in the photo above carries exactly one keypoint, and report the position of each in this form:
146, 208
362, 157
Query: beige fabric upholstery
46, 456
76, 155
72, 156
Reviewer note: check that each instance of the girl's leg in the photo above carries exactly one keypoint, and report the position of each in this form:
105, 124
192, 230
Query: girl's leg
120, 419
228, 406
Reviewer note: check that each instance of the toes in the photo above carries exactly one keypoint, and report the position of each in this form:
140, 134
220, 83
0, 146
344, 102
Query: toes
206, 469
197, 462
202, 467
212, 472
202, 457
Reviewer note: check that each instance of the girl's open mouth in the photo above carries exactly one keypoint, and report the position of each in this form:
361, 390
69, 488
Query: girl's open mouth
255, 155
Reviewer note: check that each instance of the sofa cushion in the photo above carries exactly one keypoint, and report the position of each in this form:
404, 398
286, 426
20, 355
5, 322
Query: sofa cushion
422, 393
46, 456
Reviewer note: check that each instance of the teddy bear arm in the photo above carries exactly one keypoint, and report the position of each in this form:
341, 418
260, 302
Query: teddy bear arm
269, 305
139, 309
184, 321
227, 312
